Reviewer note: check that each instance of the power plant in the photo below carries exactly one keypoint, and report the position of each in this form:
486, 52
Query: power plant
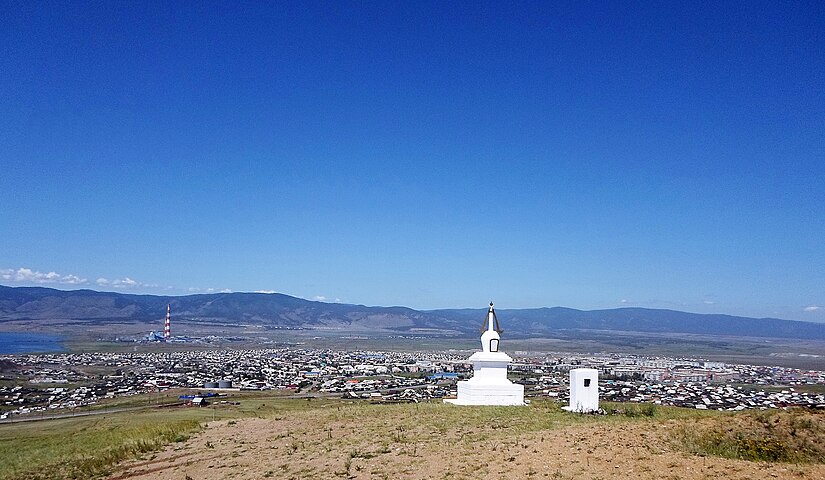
167, 327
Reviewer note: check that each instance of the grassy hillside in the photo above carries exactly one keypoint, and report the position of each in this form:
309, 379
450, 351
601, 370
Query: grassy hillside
81, 447
267, 437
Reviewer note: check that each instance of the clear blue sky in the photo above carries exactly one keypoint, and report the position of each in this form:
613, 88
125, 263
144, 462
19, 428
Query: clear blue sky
428, 154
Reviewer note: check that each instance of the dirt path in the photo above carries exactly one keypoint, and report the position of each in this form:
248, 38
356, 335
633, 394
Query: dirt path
376, 444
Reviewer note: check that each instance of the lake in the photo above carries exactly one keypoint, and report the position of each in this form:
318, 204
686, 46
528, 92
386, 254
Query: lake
16, 342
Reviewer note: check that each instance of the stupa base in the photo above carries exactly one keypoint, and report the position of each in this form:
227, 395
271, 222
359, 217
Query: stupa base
502, 394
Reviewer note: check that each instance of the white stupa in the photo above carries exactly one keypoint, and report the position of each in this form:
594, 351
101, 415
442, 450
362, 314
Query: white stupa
489, 385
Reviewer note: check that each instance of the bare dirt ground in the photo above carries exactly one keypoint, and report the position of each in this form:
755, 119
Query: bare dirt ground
445, 442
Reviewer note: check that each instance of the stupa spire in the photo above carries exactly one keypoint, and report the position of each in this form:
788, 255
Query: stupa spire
491, 337
491, 321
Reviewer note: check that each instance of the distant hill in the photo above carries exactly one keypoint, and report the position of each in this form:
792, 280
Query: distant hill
277, 310
546, 320
272, 309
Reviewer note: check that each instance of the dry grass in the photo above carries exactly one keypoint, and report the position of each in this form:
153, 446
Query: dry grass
268, 437
795, 436
424, 441
44, 453
83, 447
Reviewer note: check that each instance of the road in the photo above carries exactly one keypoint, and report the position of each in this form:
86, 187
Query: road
86, 413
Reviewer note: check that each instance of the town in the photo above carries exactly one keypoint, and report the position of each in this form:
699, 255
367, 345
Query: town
62, 383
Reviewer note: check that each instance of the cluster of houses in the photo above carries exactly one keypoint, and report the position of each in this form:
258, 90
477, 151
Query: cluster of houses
62, 382
691, 395
664, 369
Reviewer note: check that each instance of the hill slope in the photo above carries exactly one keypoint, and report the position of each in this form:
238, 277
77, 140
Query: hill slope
278, 310
37, 303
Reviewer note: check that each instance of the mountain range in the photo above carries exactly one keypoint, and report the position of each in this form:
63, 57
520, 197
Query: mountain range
274, 310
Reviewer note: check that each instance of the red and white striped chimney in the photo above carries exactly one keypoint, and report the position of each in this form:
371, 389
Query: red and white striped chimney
167, 327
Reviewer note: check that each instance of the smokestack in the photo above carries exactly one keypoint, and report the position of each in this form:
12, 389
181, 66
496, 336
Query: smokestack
167, 327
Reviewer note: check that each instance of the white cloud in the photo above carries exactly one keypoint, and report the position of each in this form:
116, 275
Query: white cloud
73, 280
27, 275
709, 302
208, 290
812, 308
264, 291
126, 282
322, 298
624, 300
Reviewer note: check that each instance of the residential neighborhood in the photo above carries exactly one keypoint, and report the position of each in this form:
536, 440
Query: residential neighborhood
61, 383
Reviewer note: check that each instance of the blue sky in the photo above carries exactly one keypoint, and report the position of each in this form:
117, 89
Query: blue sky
428, 154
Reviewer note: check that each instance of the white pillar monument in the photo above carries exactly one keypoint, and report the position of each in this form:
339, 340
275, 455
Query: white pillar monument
489, 385
584, 390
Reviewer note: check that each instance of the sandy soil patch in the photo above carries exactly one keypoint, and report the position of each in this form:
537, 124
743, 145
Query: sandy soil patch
443, 442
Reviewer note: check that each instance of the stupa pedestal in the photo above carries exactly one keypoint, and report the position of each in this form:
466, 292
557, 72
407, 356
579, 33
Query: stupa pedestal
489, 385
